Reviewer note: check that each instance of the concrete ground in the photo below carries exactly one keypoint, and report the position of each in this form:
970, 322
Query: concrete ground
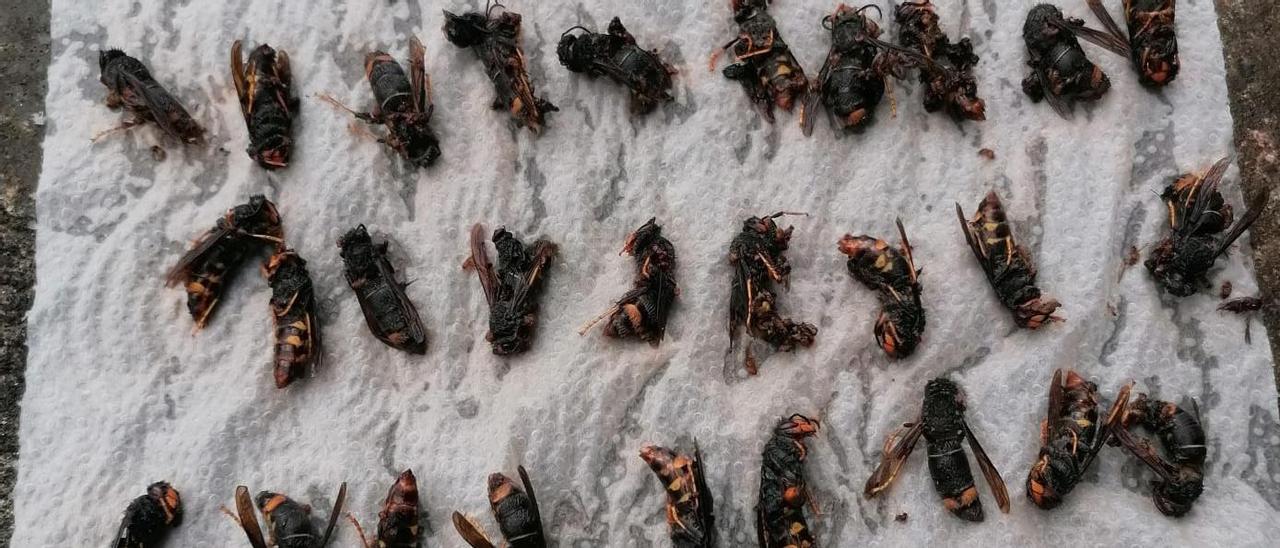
1248, 29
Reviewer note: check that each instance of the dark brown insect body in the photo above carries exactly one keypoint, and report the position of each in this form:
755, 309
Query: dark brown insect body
389, 313
212, 261
642, 312
762, 61
398, 520
756, 256
267, 100
1180, 477
1007, 265
784, 492
853, 78
149, 517
1061, 73
943, 426
288, 522
293, 311
129, 84
516, 512
1070, 437
689, 502
512, 290
402, 104
948, 79
892, 274
1198, 215
1152, 42
617, 56
496, 41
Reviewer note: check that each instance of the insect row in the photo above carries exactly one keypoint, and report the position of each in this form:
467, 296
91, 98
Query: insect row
1202, 227
1071, 437
858, 70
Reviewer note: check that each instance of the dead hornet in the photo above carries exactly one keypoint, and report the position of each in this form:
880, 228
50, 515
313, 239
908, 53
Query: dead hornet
515, 510
398, 520
1197, 214
293, 311
149, 517
617, 56
1151, 42
689, 501
1061, 73
1070, 438
265, 88
130, 85
1179, 479
642, 312
948, 77
783, 490
1242, 306
496, 41
212, 261
942, 423
758, 262
856, 73
288, 522
1007, 265
892, 273
511, 291
762, 61
388, 312
403, 104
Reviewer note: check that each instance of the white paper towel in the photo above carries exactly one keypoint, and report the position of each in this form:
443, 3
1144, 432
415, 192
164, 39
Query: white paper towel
119, 393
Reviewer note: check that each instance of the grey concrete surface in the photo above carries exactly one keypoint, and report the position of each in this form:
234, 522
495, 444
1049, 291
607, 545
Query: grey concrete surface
1248, 29
24, 59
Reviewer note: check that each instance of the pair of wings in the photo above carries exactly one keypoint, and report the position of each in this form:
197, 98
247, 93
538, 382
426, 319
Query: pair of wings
479, 261
978, 245
198, 253
308, 304
1112, 39
474, 536
410, 312
141, 95
246, 81
1054, 417
1141, 448
899, 446
1189, 210
249, 520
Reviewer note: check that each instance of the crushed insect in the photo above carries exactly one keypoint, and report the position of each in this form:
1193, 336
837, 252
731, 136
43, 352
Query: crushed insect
1244, 306
783, 490
403, 104
948, 76
398, 520
1198, 217
762, 62
987, 153
1151, 43
942, 424
293, 312
215, 256
150, 517
515, 510
495, 39
617, 56
512, 290
288, 522
130, 85
642, 312
1179, 477
856, 73
757, 259
890, 272
267, 100
1070, 438
1224, 291
1061, 73
388, 312
1007, 265
689, 502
